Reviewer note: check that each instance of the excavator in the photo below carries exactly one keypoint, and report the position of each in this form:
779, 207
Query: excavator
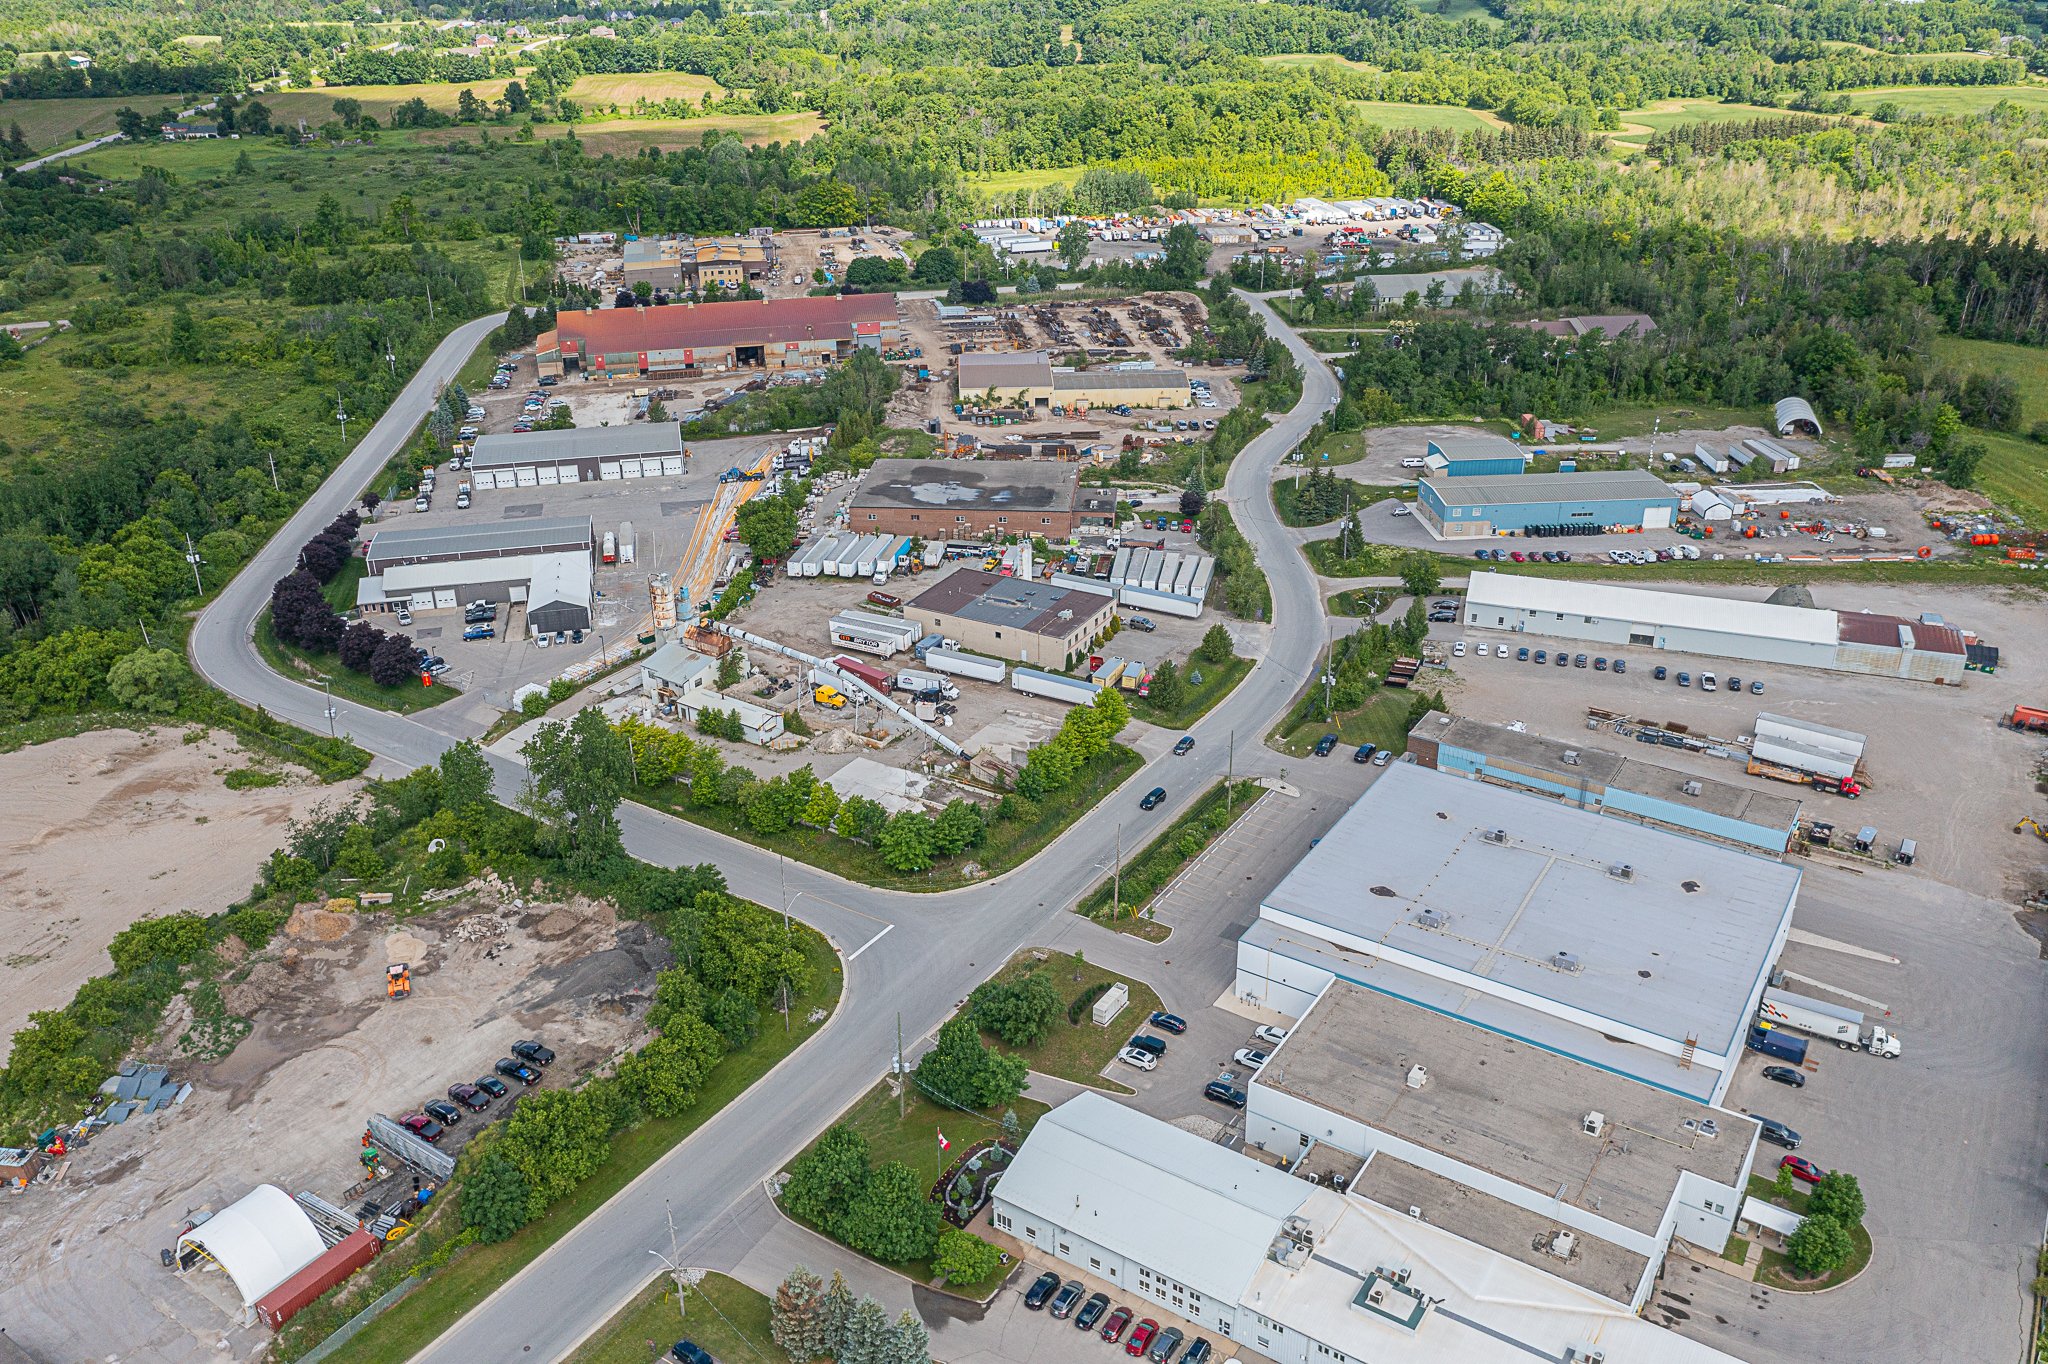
2029, 822
397, 981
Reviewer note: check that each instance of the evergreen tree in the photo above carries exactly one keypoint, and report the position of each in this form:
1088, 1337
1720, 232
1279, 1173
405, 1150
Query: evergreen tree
909, 1342
834, 1316
868, 1335
797, 1316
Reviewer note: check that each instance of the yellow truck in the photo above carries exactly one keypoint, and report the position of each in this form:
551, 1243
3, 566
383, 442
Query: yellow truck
829, 696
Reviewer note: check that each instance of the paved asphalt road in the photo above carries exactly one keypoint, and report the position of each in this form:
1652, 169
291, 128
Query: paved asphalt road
917, 955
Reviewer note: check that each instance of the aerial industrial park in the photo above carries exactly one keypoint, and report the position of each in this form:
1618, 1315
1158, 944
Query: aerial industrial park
993, 866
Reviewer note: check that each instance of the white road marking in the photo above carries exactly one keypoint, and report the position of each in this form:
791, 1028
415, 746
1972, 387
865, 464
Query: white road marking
1805, 939
871, 941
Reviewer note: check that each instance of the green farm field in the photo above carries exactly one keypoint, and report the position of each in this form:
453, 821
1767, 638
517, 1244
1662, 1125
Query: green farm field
50, 124
627, 136
1451, 116
1950, 101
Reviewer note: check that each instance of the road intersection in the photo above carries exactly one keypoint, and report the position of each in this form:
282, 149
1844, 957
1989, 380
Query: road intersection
908, 956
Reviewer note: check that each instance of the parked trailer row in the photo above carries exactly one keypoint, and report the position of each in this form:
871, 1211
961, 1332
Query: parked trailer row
884, 635
1052, 687
965, 665
1166, 603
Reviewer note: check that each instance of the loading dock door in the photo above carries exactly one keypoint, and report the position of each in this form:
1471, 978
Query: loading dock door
629, 468
608, 470
529, 478
444, 598
569, 473
1656, 518
422, 601
547, 475
671, 464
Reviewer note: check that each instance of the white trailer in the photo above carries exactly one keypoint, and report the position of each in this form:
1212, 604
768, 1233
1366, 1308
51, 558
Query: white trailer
1199, 587
1829, 1022
897, 627
1169, 569
1052, 686
847, 565
1167, 603
1119, 564
911, 680
934, 553
1073, 583
965, 665
1186, 577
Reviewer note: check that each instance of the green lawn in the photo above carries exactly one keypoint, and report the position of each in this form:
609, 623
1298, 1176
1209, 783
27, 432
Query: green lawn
1010, 843
1373, 561
1197, 699
2015, 474
1640, 419
1343, 447
1383, 720
723, 1315
407, 1329
907, 1130
1311, 60
1078, 1051
295, 663
1947, 100
1362, 603
1010, 182
1736, 1251
2026, 366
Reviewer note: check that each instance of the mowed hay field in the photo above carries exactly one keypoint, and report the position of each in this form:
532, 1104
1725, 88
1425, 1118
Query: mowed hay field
626, 136
317, 106
50, 124
623, 91
1949, 100
1451, 116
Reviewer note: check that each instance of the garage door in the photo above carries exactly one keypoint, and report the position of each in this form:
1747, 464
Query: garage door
1657, 518
519, 592
529, 478
484, 480
671, 464
569, 473
548, 475
630, 468
444, 598
422, 601
608, 470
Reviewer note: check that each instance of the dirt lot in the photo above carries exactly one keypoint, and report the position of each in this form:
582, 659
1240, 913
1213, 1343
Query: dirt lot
287, 1106
1941, 772
109, 827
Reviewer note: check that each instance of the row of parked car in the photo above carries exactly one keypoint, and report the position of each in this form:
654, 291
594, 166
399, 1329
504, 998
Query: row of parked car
1146, 1340
523, 1068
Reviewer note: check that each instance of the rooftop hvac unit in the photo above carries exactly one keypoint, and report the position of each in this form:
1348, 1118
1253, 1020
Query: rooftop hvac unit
1592, 1123
1692, 788
1585, 1354
1432, 918
1622, 871
1418, 1076
1495, 835
1709, 1128
1415, 1212
1571, 757
1562, 1244
1403, 1275
1567, 962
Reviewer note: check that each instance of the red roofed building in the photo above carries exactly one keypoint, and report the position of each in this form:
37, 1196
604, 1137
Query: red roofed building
687, 338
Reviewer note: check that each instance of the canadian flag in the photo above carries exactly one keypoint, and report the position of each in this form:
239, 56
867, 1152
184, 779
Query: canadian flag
944, 1145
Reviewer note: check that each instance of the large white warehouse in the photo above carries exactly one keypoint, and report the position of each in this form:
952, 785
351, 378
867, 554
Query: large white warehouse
1924, 649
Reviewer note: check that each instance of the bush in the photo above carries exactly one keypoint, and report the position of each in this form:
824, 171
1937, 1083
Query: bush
495, 1199
1820, 1246
1021, 1012
964, 1258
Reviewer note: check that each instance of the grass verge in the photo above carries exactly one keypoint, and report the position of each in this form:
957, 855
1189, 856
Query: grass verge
1197, 698
1736, 1251
404, 699
1145, 875
1383, 720
1777, 1272
1362, 603
1295, 510
1078, 1051
723, 1315
439, 1303
1010, 843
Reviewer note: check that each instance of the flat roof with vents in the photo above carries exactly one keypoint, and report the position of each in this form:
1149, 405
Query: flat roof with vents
1504, 1107
1014, 603
1520, 897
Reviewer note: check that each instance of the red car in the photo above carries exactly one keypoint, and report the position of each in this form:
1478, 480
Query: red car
1516, 556
1803, 1169
420, 1125
1141, 1337
1113, 1329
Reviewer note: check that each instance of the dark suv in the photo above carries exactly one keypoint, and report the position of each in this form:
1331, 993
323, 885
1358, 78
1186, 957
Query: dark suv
1152, 798
1326, 745
1224, 1092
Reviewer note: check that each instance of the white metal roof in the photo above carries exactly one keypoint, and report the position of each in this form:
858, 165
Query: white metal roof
558, 570
261, 1240
1784, 1221
1644, 606
559, 579
1790, 410
1197, 1212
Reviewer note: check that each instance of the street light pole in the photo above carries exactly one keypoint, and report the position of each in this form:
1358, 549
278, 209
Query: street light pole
328, 683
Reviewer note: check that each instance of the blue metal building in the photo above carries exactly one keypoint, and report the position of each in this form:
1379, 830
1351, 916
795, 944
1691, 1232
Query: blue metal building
1463, 508
1474, 456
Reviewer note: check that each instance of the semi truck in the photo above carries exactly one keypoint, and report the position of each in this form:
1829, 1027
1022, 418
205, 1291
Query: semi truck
1840, 786
944, 660
1829, 1022
878, 678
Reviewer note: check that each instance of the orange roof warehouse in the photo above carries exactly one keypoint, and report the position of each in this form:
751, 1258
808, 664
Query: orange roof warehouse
699, 338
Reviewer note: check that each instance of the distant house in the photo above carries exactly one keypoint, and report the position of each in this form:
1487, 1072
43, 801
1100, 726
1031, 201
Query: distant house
77, 61
189, 132
485, 40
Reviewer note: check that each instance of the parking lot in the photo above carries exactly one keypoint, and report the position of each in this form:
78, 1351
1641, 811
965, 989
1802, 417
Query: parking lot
661, 512
1941, 771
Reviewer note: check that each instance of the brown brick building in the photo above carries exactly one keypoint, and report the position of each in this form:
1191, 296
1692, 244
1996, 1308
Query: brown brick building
1033, 622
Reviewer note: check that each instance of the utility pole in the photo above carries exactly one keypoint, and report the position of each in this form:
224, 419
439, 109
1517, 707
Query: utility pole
1230, 775
1116, 895
902, 1075
341, 415
428, 280
272, 457
192, 558
328, 683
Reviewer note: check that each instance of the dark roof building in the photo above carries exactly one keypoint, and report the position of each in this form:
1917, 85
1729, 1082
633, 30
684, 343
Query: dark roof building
968, 498
441, 544
782, 333
1033, 622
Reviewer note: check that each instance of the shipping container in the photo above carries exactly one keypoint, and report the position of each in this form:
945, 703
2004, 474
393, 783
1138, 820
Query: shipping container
302, 1289
878, 678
